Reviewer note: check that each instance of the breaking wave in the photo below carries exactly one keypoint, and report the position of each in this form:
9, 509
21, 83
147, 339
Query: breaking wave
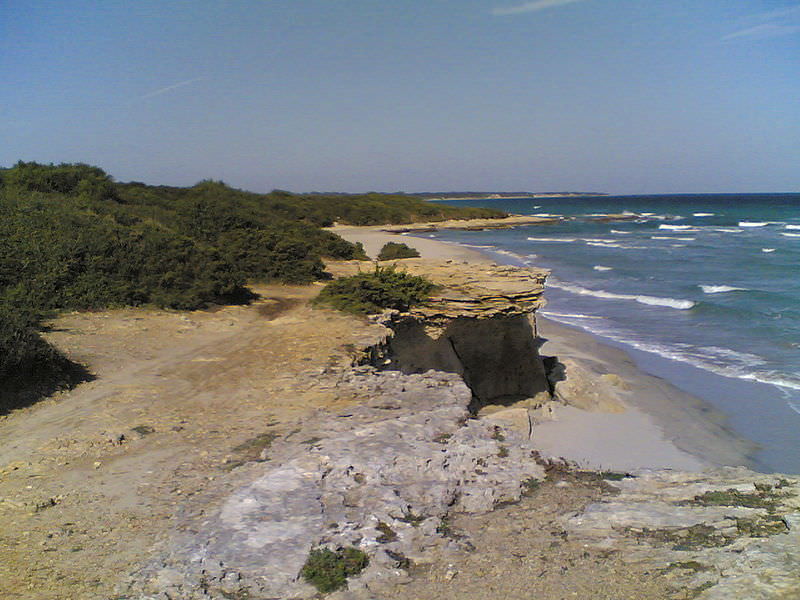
675, 227
719, 289
642, 299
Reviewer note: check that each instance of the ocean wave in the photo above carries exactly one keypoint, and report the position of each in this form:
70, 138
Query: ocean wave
602, 268
537, 239
719, 289
642, 299
702, 214
667, 237
604, 244
753, 223
768, 249
793, 227
621, 232
570, 316
791, 234
675, 227
727, 230
722, 361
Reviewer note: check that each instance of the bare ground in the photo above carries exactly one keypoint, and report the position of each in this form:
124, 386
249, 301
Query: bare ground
182, 405
90, 478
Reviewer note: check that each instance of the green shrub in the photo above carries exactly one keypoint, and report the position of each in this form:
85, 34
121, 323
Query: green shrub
328, 571
367, 293
394, 250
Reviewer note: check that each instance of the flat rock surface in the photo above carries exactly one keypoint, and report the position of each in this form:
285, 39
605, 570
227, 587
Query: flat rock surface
480, 290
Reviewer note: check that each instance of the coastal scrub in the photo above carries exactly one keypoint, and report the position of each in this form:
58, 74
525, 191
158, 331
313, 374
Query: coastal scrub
367, 293
395, 250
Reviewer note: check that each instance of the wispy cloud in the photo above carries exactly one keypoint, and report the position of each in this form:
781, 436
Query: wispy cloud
528, 7
770, 24
169, 88
766, 30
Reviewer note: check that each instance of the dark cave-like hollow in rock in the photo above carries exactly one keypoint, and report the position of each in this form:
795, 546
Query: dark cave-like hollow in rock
498, 357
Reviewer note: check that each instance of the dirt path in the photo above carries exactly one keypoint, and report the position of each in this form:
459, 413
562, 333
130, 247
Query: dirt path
90, 478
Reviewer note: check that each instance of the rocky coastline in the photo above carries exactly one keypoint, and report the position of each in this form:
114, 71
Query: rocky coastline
452, 396
217, 451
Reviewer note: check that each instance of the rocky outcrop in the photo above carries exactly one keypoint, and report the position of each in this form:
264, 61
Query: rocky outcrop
382, 477
472, 224
479, 324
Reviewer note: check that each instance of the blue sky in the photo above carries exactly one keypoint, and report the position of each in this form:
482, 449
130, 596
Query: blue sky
623, 96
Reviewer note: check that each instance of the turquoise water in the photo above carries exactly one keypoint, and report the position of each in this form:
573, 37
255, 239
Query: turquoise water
707, 280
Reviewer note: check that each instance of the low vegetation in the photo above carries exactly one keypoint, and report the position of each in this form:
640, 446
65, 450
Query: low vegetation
395, 250
328, 571
369, 293
73, 238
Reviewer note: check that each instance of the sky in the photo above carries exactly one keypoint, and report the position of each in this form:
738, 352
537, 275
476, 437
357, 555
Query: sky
618, 96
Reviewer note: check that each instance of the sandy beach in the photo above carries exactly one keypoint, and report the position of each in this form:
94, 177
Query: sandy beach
660, 427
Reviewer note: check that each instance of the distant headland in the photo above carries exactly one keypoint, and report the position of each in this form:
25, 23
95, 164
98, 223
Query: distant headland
499, 195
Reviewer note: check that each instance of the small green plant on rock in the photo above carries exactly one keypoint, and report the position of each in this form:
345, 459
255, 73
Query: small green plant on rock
328, 571
395, 250
387, 533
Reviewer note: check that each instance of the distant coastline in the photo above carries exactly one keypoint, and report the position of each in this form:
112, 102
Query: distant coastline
446, 196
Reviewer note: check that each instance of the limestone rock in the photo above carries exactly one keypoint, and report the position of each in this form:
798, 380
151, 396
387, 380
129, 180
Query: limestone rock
579, 388
406, 467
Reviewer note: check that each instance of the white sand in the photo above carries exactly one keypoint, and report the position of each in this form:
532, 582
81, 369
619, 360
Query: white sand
373, 240
662, 427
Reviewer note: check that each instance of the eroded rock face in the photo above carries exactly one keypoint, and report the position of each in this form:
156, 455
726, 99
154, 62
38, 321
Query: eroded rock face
479, 324
497, 357
381, 477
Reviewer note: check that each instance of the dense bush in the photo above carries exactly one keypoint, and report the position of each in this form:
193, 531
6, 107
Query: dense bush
373, 292
393, 250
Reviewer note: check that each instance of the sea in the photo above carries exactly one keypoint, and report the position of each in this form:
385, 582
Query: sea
703, 290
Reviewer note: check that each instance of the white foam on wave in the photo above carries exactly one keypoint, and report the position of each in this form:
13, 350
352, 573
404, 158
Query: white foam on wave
641, 298
621, 232
727, 230
768, 250
702, 214
675, 227
602, 268
538, 239
753, 223
604, 244
570, 316
668, 237
793, 227
538, 206
791, 234
720, 289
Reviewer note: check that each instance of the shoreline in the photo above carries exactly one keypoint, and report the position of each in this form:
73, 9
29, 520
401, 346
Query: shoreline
662, 426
